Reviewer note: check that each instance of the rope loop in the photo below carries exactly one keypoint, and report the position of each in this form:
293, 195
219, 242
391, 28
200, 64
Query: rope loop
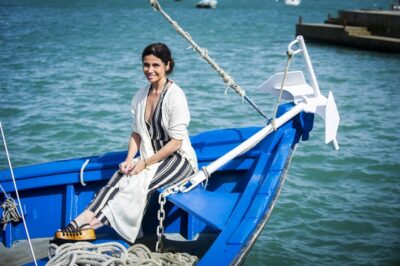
155, 4
204, 52
189, 37
290, 53
10, 212
273, 124
231, 83
207, 174
81, 172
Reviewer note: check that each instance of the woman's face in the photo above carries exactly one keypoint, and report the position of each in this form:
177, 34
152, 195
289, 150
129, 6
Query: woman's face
154, 69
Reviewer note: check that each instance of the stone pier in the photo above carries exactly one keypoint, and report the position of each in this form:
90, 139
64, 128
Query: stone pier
367, 29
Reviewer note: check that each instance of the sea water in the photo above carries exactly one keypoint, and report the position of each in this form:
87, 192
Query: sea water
68, 70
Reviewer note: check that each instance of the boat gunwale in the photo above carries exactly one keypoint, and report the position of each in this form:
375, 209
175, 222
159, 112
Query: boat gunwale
238, 260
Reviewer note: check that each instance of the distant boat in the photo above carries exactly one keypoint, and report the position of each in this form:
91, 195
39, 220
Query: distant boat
207, 4
292, 2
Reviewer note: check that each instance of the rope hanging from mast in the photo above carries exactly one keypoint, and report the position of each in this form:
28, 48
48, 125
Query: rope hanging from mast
228, 80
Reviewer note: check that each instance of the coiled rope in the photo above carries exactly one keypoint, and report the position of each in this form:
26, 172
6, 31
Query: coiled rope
228, 80
113, 253
10, 211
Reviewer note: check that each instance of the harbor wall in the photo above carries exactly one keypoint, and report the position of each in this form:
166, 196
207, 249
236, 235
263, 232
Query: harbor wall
378, 22
336, 34
330, 33
373, 30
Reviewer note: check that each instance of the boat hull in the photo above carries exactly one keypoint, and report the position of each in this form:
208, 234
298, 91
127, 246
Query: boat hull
219, 223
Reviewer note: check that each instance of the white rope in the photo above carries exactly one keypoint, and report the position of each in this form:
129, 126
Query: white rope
4, 192
207, 175
202, 51
85, 252
290, 57
228, 80
81, 172
17, 194
113, 253
10, 212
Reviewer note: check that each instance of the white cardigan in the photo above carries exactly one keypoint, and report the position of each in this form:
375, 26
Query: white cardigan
125, 210
175, 120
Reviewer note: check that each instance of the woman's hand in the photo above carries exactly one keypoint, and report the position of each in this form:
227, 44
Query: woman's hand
128, 167
139, 166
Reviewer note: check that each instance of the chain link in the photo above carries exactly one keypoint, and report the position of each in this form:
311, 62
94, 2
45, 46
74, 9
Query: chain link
162, 199
160, 227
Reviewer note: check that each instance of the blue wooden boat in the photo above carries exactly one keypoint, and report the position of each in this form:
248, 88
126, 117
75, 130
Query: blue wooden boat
219, 222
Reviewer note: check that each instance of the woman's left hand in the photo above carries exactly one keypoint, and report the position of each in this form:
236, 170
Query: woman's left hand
139, 166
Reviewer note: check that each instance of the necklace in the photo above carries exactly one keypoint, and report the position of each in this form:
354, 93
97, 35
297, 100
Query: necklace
163, 87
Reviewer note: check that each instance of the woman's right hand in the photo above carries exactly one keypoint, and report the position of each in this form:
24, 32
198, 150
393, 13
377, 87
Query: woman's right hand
126, 167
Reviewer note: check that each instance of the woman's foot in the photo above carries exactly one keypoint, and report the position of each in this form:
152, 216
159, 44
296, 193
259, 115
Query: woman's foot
74, 232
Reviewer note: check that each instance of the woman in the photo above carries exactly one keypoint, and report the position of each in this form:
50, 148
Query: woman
159, 131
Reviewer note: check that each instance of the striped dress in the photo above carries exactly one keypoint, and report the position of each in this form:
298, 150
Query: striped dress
171, 170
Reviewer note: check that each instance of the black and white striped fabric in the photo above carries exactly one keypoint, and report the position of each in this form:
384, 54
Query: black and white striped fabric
105, 194
175, 167
170, 171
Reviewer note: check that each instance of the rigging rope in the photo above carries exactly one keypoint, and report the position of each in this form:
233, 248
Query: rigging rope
113, 253
228, 80
17, 194
289, 60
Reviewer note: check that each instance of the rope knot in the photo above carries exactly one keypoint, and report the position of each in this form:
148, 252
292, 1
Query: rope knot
10, 212
155, 5
290, 54
153, 2
273, 125
204, 52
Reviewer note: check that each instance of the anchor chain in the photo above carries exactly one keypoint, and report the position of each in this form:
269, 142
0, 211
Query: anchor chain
162, 199
160, 228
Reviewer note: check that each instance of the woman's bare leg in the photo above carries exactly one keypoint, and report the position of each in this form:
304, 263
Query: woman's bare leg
88, 217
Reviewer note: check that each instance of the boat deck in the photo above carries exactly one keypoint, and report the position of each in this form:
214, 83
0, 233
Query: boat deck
20, 253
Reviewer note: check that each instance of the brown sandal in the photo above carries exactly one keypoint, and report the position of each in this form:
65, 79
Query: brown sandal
73, 232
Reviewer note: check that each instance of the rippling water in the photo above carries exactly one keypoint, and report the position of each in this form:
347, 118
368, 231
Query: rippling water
68, 70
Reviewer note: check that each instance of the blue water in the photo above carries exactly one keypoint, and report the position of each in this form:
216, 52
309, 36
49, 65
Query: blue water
68, 70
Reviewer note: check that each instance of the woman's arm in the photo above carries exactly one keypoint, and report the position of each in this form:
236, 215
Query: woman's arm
133, 147
178, 114
172, 146
177, 111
